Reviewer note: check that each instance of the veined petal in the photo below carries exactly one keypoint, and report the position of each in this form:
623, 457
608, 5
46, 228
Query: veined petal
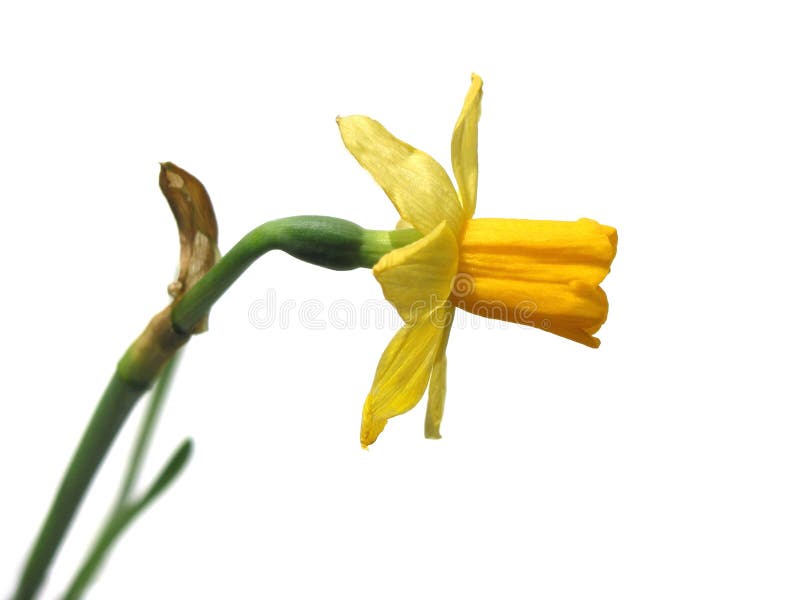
584, 238
574, 310
555, 251
416, 278
402, 374
540, 273
416, 184
438, 384
464, 147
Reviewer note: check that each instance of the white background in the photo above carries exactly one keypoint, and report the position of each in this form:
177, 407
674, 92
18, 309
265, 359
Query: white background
663, 465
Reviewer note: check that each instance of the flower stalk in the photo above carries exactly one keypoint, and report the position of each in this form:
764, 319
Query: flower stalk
127, 507
324, 241
113, 409
550, 269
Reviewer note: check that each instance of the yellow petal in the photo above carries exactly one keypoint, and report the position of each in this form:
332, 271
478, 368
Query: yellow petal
555, 251
464, 147
573, 310
438, 385
417, 185
416, 278
402, 374
540, 273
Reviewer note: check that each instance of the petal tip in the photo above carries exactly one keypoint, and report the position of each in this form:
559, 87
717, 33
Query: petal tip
371, 428
613, 238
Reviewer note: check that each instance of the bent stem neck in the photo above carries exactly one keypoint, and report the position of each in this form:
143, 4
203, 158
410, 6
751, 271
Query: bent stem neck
325, 241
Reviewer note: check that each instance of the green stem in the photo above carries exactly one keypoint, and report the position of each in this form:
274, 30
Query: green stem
122, 518
146, 431
325, 241
121, 513
114, 406
112, 529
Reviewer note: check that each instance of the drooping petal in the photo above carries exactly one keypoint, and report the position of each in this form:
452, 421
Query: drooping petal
464, 147
575, 334
574, 310
416, 278
402, 374
416, 184
540, 273
437, 388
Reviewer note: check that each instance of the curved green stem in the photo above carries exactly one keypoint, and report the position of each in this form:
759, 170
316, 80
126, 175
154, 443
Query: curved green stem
146, 430
122, 517
114, 407
123, 510
325, 241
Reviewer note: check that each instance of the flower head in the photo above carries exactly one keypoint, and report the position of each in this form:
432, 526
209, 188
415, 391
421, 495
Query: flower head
540, 273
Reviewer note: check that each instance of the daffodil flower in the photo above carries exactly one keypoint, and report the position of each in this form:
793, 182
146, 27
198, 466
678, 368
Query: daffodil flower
540, 273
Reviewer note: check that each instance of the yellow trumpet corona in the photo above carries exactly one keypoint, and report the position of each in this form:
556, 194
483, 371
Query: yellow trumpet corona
540, 273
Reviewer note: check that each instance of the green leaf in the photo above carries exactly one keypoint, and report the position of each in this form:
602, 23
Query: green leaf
124, 516
170, 471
